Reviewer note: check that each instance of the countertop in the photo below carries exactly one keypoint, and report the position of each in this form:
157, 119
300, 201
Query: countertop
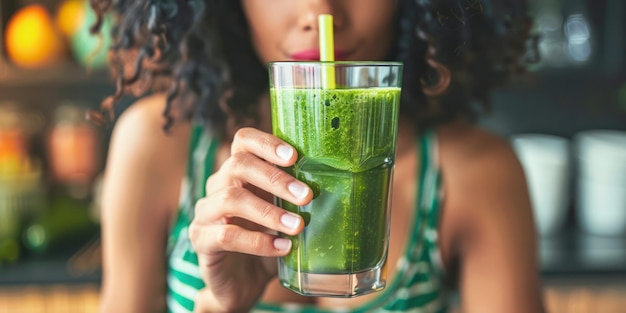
68, 266
568, 255
573, 253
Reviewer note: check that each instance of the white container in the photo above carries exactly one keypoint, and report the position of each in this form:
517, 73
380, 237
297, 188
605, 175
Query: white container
546, 163
601, 208
601, 156
601, 192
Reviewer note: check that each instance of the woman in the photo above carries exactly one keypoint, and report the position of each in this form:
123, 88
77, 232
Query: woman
208, 246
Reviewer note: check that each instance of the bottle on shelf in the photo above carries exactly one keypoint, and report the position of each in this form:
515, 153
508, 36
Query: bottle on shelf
66, 223
21, 188
73, 155
74, 150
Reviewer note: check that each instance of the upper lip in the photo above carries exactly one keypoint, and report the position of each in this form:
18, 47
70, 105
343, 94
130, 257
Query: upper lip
314, 55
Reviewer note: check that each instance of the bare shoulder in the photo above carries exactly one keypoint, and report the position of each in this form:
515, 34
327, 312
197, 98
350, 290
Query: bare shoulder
471, 148
142, 155
478, 164
487, 227
480, 168
144, 170
484, 185
139, 131
143, 120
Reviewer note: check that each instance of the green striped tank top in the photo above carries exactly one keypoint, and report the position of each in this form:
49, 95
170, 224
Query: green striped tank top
418, 284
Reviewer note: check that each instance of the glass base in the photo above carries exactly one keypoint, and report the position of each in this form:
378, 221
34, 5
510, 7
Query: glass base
332, 285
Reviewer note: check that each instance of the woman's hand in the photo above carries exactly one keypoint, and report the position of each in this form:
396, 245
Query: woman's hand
235, 225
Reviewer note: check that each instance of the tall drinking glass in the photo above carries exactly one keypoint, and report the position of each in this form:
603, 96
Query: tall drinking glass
345, 133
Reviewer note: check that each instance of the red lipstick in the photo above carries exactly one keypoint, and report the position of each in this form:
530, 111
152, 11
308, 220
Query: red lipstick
314, 55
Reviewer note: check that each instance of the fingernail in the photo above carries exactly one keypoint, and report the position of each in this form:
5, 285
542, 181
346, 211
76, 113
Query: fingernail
298, 189
282, 244
284, 152
290, 220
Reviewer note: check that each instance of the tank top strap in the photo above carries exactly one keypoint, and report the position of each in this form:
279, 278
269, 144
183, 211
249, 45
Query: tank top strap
431, 187
431, 200
200, 164
428, 199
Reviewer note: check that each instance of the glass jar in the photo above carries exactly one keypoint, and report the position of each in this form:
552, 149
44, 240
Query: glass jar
74, 147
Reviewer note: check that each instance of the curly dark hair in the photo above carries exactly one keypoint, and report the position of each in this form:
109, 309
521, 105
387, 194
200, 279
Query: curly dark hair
196, 50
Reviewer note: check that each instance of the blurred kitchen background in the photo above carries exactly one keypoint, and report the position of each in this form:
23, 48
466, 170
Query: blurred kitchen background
566, 119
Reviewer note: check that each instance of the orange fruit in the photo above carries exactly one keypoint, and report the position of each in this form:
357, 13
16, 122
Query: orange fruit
31, 39
70, 16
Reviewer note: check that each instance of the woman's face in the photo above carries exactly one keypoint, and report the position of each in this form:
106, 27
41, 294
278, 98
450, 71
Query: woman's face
284, 30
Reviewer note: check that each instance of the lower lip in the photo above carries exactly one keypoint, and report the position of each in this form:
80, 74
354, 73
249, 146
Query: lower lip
314, 55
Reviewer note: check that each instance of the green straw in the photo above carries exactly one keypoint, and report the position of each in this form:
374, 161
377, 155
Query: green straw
327, 49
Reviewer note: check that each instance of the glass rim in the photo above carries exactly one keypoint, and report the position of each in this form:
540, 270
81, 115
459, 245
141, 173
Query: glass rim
350, 63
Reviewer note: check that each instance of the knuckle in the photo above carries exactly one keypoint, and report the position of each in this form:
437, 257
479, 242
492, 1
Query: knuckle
258, 243
225, 236
210, 182
221, 178
227, 165
267, 144
239, 134
238, 161
232, 194
266, 210
239, 158
224, 200
242, 135
194, 233
207, 210
275, 175
198, 209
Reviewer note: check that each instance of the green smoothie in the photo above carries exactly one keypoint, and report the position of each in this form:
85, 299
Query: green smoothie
345, 140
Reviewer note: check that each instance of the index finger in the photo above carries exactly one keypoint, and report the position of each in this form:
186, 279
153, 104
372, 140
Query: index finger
264, 145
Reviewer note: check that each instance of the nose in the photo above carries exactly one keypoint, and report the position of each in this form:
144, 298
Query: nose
309, 10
